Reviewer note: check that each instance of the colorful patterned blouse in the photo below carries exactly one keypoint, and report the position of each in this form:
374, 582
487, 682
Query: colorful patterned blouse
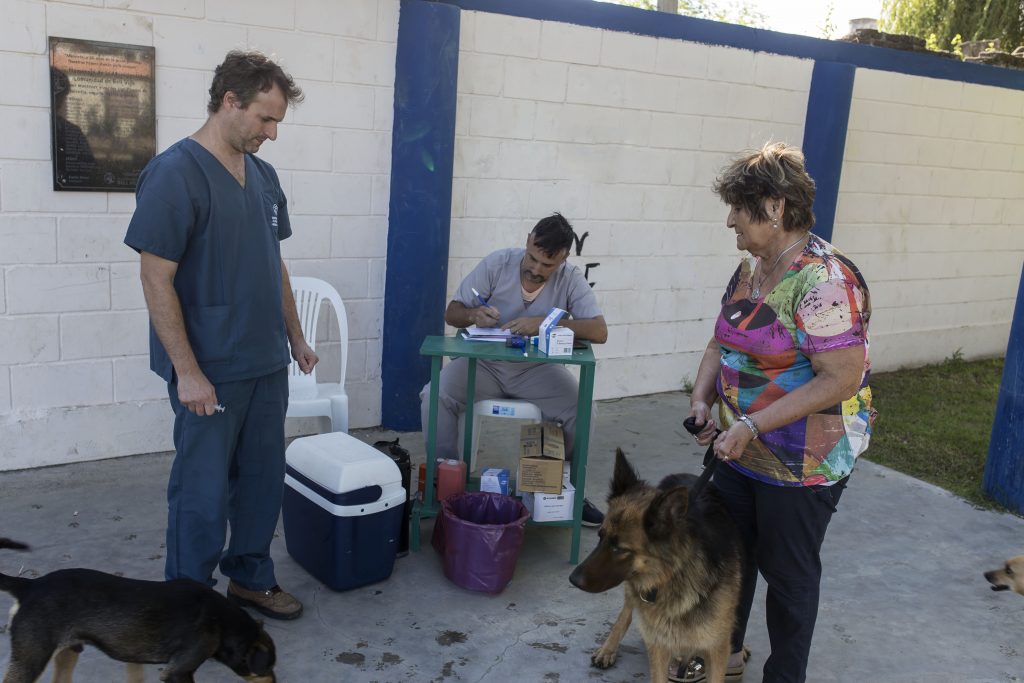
821, 304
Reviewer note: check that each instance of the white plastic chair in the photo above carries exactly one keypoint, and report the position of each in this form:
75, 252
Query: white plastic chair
503, 407
306, 396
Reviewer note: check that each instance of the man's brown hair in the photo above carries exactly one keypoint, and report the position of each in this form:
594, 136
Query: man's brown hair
248, 73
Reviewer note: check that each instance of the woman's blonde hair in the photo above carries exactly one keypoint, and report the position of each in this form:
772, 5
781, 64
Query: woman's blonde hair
775, 171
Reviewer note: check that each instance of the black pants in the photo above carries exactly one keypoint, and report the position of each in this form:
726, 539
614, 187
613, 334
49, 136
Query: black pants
782, 529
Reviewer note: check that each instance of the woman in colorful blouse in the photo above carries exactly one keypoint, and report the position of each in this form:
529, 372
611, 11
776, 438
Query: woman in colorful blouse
788, 365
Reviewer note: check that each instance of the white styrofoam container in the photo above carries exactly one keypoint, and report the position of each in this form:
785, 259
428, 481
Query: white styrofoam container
340, 464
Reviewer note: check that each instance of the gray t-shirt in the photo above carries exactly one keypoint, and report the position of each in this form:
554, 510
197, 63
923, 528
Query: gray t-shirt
497, 279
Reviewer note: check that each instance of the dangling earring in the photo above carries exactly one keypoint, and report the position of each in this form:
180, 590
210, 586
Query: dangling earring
775, 222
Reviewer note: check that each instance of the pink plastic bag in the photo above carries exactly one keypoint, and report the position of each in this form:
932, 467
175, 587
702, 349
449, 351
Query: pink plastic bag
478, 536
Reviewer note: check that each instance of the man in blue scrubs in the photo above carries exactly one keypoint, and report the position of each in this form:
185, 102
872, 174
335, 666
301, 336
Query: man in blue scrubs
208, 222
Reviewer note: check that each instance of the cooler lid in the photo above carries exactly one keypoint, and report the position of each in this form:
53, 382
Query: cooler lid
340, 463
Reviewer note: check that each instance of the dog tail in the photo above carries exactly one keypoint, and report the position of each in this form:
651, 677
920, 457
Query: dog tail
11, 584
8, 544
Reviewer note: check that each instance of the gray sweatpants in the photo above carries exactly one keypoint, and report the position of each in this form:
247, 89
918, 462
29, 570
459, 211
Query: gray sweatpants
551, 387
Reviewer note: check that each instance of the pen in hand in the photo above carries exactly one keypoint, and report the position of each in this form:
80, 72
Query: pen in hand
489, 312
483, 301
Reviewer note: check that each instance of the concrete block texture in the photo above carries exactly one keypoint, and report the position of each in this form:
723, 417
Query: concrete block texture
39, 438
182, 8
27, 186
99, 23
29, 339
500, 34
58, 288
353, 18
26, 77
5, 390
104, 335
134, 381
27, 133
628, 51
64, 272
622, 133
24, 27
271, 13
304, 56
535, 80
93, 239
27, 238
567, 43
58, 385
190, 44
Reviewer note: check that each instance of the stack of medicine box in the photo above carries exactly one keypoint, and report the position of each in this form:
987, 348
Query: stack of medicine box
543, 477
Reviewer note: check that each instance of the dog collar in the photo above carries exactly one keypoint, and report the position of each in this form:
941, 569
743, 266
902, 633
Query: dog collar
649, 595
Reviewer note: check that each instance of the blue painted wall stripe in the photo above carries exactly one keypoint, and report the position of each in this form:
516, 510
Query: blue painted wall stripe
828, 113
422, 155
662, 25
1004, 469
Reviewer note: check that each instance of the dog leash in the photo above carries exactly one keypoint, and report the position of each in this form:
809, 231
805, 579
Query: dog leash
710, 461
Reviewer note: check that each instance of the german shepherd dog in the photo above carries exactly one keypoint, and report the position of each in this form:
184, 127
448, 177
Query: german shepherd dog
679, 560
180, 623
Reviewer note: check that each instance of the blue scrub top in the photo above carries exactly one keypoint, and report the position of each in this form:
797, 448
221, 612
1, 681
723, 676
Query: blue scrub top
226, 242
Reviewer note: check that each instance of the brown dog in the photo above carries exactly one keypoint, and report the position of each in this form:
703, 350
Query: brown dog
180, 623
1010, 577
679, 560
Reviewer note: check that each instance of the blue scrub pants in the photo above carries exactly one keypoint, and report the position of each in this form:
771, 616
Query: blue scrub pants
228, 472
782, 528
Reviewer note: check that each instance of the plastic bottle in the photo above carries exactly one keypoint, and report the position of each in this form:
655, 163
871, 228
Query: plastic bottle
451, 478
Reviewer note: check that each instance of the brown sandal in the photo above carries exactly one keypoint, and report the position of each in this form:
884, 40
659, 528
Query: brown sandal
694, 671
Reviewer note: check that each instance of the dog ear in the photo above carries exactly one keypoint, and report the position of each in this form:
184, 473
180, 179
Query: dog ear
260, 659
624, 477
666, 512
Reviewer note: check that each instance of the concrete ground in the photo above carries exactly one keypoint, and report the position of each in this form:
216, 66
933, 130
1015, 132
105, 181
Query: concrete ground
904, 600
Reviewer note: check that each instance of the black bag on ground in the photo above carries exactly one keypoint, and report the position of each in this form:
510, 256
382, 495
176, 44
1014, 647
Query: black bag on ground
404, 462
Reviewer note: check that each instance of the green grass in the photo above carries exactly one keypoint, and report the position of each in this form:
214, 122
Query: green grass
934, 423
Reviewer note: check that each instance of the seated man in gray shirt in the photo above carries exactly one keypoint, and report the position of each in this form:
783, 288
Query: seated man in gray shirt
520, 286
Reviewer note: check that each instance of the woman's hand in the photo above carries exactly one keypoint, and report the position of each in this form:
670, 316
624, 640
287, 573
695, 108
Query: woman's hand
730, 444
701, 414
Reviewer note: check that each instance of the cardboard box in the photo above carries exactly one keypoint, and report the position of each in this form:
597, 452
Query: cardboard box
536, 440
553, 339
539, 474
494, 480
551, 507
566, 481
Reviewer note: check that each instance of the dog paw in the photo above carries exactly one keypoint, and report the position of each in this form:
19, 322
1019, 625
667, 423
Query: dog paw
603, 659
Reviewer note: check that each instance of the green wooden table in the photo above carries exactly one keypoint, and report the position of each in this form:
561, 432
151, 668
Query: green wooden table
455, 347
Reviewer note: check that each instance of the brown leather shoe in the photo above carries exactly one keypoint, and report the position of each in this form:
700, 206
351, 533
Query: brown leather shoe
273, 602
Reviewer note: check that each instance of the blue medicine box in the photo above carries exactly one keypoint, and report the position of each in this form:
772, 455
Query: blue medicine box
342, 509
494, 480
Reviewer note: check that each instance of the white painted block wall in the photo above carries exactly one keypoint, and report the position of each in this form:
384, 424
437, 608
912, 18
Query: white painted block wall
75, 382
930, 208
623, 135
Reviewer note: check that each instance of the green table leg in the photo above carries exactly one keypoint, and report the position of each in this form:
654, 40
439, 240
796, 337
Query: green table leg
428, 485
467, 439
584, 406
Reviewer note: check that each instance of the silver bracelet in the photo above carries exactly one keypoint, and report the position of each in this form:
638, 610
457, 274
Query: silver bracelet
751, 425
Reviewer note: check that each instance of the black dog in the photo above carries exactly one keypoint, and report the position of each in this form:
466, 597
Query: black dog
179, 623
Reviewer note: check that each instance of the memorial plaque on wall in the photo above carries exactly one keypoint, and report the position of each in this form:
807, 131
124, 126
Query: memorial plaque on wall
103, 119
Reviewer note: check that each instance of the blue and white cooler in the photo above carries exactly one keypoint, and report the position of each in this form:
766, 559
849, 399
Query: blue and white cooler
342, 509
